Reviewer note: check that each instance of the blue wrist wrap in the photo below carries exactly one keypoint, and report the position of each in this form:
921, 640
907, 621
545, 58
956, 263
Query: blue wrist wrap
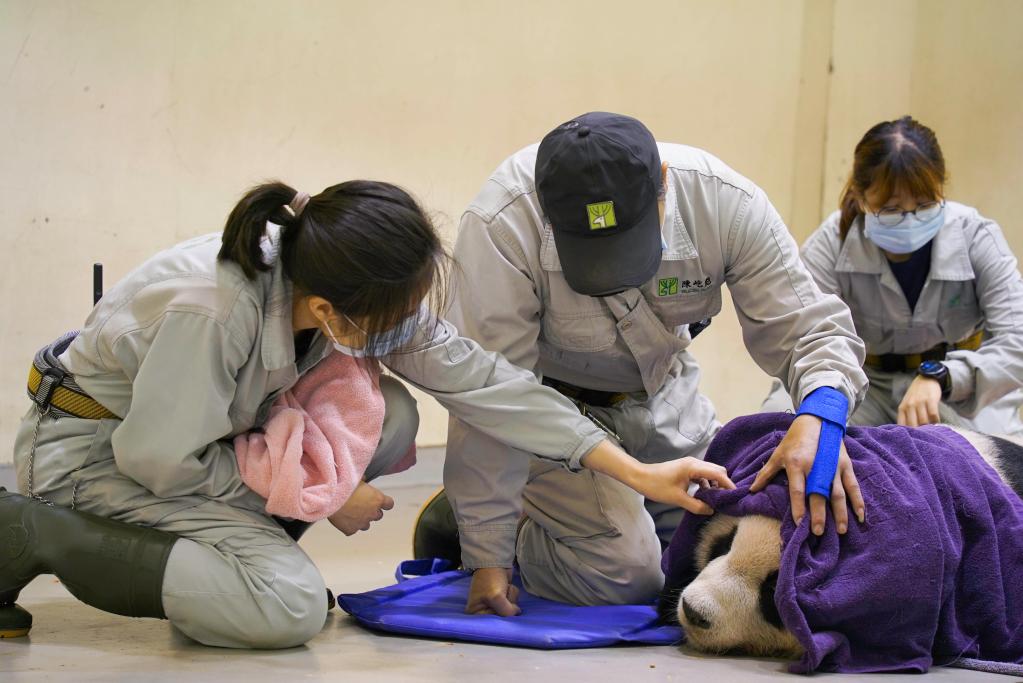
831, 406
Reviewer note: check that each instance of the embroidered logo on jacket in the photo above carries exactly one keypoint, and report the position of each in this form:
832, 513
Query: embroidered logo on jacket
601, 215
669, 286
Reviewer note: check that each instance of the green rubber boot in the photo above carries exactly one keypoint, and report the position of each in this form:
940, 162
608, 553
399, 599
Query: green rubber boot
436, 531
113, 566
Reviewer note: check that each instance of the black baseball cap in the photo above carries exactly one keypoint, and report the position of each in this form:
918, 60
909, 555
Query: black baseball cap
597, 179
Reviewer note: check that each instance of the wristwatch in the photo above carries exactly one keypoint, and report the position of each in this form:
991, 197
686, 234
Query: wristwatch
938, 371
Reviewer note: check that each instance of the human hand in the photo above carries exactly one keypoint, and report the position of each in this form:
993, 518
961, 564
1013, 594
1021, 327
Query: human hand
491, 592
366, 505
795, 454
920, 404
665, 482
668, 482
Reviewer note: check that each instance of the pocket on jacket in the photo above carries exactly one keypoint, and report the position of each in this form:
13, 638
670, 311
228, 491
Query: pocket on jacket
573, 322
958, 324
589, 333
694, 419
570, 505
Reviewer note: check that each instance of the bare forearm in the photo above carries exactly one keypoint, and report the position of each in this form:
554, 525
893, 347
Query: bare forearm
609, 459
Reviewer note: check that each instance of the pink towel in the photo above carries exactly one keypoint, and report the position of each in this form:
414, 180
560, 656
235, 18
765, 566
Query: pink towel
318, 441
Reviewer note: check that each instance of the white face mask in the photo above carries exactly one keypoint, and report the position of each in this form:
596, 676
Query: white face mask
906, 236
380, 343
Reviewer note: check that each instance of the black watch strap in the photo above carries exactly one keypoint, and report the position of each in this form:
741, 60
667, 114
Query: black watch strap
937, 370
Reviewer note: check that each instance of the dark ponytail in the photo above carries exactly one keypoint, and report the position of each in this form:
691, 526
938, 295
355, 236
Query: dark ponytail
893, 155
366, 247
246, 225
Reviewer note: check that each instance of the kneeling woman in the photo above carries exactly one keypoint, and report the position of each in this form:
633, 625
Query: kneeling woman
932, 285
135, 499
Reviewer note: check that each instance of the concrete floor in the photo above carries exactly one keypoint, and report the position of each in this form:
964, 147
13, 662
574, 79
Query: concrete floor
74, 642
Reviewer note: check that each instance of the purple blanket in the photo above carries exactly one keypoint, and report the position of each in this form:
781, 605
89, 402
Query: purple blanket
934, 575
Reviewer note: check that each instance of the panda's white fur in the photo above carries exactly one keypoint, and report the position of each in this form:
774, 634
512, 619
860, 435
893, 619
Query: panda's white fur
726, 593
725, 612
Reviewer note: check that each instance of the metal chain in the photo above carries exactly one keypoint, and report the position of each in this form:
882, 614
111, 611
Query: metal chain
584, 409
40, 414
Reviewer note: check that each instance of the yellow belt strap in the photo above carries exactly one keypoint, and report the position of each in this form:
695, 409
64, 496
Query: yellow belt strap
71, 402
913, 360
971, 343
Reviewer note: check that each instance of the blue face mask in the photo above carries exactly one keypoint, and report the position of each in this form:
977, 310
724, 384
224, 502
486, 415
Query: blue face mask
381, 343
905, 237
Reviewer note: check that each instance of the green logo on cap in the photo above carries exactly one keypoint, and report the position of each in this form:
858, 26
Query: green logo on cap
601, 215
667, 286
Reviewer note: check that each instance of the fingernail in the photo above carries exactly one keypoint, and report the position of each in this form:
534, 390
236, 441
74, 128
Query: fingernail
818, 529
842, 528
859, 515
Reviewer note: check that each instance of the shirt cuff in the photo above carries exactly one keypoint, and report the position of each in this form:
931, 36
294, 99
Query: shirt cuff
586, 444
488, 546
835, 380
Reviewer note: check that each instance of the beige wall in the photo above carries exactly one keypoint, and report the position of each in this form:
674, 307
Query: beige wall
127, 126
957, 66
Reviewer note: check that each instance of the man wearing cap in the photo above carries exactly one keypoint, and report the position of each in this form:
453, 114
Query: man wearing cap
592, 259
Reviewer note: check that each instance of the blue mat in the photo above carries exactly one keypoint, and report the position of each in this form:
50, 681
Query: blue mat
432, 605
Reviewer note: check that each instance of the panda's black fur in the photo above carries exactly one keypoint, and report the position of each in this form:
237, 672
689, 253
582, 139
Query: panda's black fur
1009, 456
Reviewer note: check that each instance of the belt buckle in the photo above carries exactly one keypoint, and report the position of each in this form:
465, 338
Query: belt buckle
44, 393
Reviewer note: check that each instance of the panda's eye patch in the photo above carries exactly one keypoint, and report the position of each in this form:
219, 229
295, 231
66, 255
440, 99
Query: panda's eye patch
721, 545
767, 607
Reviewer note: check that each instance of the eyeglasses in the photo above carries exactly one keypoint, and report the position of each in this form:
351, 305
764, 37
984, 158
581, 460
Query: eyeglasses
923, 212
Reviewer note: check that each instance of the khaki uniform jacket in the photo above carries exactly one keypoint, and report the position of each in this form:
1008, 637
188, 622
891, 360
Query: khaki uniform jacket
188, 353
719, 228
973, 284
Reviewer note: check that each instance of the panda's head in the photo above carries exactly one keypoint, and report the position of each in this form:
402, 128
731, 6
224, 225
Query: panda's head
729, 606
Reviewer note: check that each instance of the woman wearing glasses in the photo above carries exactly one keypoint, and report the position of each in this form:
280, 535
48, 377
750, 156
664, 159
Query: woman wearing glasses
933, 288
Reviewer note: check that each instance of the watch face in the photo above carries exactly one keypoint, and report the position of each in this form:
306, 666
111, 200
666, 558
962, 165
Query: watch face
930, 367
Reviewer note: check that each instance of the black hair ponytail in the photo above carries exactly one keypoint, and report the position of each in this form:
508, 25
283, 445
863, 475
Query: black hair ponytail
247, 224
367, 247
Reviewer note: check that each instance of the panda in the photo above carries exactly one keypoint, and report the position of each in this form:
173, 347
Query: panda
726, 603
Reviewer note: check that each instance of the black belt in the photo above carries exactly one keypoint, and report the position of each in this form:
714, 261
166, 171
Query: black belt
591, 397
909, 362
585, 398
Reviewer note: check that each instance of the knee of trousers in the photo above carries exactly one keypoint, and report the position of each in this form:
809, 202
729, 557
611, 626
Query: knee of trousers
292, 619
622, 569
289, 614
401, 419
637, 581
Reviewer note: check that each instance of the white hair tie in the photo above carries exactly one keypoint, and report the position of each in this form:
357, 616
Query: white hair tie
297, 205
